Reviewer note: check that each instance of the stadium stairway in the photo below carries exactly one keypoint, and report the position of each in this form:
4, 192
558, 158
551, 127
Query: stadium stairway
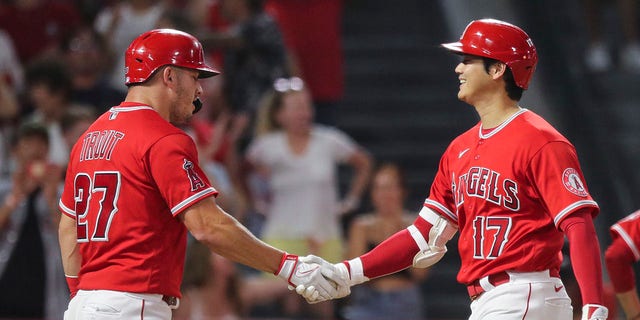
598, 110
400, 104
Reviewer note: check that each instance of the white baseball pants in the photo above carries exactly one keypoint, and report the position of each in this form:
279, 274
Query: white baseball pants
527, 296
106, 304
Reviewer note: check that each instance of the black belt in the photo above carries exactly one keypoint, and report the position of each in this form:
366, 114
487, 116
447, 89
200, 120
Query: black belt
173, 302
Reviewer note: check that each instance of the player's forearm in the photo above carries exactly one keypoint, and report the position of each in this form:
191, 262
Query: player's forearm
392, 255
585, 256
422, 244
233, 241
224, 235
68, 246
630, 303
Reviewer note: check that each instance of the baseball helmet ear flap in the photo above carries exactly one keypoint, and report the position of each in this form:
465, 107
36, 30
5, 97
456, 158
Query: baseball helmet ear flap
501, 41
160, 47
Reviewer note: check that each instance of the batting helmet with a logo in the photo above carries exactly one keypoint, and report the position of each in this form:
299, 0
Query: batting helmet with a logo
501, 41
160, 47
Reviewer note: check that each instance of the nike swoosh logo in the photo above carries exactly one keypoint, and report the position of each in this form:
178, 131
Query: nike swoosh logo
302, 273
462, 153
557, 289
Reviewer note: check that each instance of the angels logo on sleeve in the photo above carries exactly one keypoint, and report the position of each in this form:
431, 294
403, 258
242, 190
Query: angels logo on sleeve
194, 178
571, 181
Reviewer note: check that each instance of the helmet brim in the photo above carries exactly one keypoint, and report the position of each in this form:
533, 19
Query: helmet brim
207, 72
455, 47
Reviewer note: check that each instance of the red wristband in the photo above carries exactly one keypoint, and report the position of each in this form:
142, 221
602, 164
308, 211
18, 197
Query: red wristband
285, 258
72, 282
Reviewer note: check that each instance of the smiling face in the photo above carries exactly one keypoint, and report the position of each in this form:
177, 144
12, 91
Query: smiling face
475, 81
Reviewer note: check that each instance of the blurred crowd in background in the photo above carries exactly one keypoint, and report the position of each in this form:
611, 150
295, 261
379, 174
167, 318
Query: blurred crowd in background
266, 137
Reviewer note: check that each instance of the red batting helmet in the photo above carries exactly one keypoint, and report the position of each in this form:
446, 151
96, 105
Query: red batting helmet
160, 47
501, 41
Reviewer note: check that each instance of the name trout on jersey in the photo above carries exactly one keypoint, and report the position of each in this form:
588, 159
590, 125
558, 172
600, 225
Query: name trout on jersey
99, 144
487, 184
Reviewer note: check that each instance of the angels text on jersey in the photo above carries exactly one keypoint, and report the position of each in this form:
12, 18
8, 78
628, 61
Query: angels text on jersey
486, 184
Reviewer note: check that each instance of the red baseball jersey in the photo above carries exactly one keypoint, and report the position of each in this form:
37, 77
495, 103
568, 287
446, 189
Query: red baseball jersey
628, 229
508, 190
129, 176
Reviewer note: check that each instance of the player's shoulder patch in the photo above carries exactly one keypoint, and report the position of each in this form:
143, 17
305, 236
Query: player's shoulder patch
194, 179
571, 180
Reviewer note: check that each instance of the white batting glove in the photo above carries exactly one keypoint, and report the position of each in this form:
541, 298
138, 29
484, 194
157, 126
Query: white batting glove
308, 275
594, 312
338, 273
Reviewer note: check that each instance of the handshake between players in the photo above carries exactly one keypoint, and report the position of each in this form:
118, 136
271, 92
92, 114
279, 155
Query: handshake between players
316, 279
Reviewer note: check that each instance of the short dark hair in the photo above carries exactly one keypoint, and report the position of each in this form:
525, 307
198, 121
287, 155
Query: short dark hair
394, 167
30, 129
51, 73
513, 91
69, 41
75, 114
255, 6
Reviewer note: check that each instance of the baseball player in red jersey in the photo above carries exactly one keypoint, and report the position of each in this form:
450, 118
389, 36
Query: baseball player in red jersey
620, 256
133, 188
512, 186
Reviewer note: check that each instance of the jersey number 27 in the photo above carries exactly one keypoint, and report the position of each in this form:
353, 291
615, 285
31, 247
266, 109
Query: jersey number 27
103, 184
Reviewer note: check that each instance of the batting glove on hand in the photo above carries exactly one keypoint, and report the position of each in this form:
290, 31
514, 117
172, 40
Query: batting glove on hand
308, 276
594, 312
338, 273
